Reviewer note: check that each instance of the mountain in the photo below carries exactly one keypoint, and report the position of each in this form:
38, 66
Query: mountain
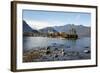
82, 31
48, 29
27, 28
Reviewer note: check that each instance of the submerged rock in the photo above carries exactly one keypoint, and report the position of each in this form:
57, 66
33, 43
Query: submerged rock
86, 47
56, 49
68, 46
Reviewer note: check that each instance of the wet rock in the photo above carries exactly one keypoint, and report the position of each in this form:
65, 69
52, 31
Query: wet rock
86, 51
56, 56
48, 52
48, 47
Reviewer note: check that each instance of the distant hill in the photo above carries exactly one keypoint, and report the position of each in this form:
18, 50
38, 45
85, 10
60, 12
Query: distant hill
48, 29
82, 31
27, 28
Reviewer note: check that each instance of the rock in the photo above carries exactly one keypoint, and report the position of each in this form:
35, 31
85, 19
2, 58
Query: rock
56, 56
86, 51
48, 47
48, 52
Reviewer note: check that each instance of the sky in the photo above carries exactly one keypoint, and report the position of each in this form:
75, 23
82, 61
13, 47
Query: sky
41, 19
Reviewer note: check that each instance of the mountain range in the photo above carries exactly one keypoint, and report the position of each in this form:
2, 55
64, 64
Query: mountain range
82, 31
48, 29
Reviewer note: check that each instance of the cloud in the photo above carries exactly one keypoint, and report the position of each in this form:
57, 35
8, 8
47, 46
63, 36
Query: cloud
42, 24
38, 24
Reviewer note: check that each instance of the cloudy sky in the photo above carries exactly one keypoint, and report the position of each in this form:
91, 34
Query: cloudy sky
42, 19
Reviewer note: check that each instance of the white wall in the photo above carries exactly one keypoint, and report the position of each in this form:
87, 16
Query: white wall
5, 37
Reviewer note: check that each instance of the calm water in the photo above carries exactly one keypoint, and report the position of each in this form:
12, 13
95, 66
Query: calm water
41, 42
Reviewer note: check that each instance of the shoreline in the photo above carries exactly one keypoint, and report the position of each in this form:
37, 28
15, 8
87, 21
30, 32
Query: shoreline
53, 55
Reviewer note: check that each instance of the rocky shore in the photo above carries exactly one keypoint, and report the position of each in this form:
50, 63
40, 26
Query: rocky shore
52, 53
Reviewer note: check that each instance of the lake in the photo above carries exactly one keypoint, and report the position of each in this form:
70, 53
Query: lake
70, 46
